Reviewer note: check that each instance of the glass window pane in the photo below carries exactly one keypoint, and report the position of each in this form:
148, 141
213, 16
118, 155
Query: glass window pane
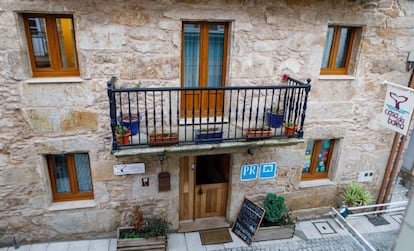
323, 156
215, 54
343, 48
191, 54
37, 27
327, 48
61, 173
308, 157
66, 43
83, 172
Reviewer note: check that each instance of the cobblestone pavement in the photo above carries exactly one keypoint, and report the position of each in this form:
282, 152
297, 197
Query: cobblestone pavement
337, 243
382, 241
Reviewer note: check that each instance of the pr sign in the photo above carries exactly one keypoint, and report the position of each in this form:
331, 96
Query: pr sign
398, 107
252, 171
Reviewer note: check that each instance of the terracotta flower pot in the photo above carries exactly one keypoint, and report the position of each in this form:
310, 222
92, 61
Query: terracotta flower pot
123, 139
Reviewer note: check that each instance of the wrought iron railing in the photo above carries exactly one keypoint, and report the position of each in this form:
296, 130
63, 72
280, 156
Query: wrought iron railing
206, 115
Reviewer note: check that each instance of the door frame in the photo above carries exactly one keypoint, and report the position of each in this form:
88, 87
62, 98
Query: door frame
204, 99
188, 186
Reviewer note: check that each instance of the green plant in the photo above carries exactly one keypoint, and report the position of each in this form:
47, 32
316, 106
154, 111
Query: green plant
355, 195
151, 227
276, 111
210, 129
277, 213
261, 129
164, 135
127, 117
121, 130
289, 124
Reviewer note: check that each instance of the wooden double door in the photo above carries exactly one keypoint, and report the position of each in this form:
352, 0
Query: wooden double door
203, 186
204, 64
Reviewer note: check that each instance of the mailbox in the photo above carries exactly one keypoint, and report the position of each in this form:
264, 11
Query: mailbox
164, 183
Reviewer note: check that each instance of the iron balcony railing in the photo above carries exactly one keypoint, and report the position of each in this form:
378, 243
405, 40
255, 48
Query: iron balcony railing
206, 115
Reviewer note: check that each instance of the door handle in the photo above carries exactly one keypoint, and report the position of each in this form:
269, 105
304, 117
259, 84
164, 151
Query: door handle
200, 191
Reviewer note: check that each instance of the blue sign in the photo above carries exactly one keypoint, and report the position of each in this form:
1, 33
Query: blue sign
267, 170
249, 172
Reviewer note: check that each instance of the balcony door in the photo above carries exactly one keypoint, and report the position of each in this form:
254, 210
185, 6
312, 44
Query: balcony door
203, 65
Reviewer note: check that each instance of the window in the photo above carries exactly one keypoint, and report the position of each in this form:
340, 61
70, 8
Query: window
51, 43
338, 49
70, 176
317, 159
204, 56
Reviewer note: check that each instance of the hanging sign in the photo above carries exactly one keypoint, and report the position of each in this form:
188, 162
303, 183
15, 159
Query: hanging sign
398, 107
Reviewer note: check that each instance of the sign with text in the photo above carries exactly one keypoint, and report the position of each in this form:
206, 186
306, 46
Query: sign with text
398, 107
129, 168
267, 170
248, 221
249, 172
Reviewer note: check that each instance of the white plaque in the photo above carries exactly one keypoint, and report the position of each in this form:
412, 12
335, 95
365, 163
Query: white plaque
129, 169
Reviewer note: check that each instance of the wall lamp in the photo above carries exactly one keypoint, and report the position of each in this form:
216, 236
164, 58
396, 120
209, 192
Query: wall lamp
251, 151
161, 158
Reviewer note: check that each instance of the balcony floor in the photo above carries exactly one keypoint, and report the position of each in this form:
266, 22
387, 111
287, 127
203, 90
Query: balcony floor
194, 148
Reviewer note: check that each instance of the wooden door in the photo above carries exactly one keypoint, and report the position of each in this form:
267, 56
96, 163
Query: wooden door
203, 65
210, 200
203, 186
186, 188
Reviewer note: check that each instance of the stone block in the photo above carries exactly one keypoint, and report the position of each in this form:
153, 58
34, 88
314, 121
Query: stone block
64, 94
102, 37
83, 221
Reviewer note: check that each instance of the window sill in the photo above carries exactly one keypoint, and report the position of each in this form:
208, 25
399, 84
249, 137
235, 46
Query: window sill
69, 205
336, 77
54, 80
315, 183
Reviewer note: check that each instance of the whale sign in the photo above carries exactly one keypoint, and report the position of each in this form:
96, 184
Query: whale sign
398, 107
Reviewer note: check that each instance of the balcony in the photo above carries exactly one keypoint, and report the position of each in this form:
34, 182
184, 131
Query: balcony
205, 118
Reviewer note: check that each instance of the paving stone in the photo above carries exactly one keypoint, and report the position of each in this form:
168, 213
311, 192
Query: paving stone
58, 246
99, 245
39, 247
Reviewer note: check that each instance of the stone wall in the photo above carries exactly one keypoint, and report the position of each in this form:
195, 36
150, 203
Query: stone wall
140, 42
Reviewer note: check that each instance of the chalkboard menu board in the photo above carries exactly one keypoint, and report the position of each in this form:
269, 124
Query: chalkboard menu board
248, 221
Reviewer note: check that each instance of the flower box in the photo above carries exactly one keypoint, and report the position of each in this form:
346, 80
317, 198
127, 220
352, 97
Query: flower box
275, 232
209, 135
258, 133
163, 138
151, 243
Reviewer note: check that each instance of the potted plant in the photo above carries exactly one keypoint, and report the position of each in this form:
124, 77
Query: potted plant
158, 138
143, 234
274, 117
259, 132
278, 222
122, 135
355, 195
131, 121
290, 128
209, 135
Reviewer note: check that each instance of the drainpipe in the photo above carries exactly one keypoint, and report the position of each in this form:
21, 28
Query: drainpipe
387, 183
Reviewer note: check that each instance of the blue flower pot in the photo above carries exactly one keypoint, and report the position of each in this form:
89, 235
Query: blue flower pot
274, 120
131, 124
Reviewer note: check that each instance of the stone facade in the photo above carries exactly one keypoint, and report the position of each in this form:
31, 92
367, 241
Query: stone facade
140, 42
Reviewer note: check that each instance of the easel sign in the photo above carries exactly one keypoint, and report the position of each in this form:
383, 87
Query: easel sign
248, 221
